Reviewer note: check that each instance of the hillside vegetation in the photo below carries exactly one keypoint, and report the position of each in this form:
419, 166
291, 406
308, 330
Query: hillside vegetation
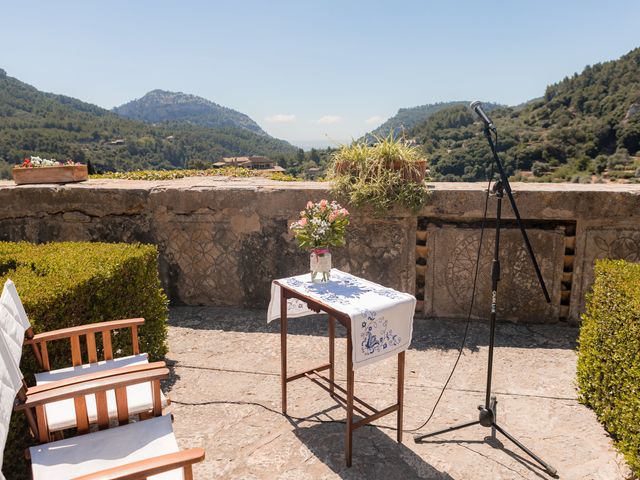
408, 118
37, 123
585, 128
160, 106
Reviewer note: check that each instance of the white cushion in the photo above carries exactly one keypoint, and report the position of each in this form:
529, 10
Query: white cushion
84, 454
61, 415
10, 384
13, 320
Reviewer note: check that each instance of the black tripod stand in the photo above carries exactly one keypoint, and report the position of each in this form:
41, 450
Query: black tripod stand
487, 416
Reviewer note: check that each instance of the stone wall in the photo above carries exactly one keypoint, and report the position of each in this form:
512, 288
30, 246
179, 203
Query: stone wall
570, 226
222, 241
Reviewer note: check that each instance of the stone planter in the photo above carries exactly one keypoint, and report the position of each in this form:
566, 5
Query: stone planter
413, 173
56, 174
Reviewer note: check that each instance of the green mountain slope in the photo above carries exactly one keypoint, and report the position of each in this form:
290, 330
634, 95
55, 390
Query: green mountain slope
37, 123
161, 106
407, 119
584, 128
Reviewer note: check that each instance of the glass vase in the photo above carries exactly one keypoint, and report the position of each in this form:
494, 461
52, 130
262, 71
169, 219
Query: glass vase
320, 265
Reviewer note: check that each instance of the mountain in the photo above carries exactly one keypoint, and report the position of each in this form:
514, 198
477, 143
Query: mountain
407, 119
161, 106
49, 125
585, 128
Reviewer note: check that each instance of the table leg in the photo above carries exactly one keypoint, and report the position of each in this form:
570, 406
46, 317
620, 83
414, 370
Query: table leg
400, 393
283, 350
332, 345
348, 443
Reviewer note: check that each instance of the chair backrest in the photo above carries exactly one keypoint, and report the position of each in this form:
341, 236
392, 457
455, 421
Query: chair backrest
10, 385
13, 320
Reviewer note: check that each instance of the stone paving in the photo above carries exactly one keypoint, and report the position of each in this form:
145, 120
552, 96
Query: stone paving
226, 398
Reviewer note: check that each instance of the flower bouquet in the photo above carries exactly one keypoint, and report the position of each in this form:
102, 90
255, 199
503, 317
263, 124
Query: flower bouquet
322, 225
43, 170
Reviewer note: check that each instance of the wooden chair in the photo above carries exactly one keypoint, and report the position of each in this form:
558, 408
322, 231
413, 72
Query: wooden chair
14, 324
133, 451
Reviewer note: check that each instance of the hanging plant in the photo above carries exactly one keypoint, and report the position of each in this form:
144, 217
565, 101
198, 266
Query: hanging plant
384, 175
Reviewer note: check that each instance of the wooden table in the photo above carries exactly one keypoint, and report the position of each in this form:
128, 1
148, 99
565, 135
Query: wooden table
351, 403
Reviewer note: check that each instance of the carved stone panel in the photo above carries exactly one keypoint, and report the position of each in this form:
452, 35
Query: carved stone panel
451, 267
202, 256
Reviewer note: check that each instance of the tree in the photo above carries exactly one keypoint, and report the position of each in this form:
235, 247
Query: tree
314, 156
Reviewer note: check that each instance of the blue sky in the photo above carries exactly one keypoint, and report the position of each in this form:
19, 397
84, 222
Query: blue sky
311, 72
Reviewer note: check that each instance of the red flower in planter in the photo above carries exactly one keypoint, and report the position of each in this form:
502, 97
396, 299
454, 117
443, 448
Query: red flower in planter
26, 162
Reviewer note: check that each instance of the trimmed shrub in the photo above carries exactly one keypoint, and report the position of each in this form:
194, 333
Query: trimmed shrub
609, 354
68, 284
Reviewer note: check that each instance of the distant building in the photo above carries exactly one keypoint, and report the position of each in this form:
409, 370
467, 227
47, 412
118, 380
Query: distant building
313, 172
255, 163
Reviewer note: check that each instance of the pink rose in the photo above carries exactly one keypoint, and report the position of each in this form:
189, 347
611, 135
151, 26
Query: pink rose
323, 204
309, 204
344, 212
333, 216
302, 222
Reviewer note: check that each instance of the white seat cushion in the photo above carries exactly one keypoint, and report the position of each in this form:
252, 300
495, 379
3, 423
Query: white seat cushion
13, 320
104, 449
61, 415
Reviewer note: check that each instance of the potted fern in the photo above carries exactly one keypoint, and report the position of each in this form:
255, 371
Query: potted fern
386, 174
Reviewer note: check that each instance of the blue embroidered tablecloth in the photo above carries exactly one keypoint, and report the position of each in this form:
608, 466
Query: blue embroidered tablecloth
381, 317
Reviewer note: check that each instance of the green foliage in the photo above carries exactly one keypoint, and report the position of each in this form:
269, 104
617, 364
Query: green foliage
408, 118
384, 175
609, 354
68, 284
300, 164
160, 106
211, 172
585, 116
48, 125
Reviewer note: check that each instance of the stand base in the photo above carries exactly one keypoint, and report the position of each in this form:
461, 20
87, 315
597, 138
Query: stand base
487, 419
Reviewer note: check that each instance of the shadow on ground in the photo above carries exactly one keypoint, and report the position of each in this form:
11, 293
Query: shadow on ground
427, 333
375, 454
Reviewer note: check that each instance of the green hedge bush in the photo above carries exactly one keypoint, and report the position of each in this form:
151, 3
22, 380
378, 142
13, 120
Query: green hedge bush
609, 354
68, 284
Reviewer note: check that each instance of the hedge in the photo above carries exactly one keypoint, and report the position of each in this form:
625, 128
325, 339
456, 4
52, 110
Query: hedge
609, 354
68, 284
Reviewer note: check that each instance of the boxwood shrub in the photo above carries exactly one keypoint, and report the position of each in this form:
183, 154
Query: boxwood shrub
68, 284
609, 354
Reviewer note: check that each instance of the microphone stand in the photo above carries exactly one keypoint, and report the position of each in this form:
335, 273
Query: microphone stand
487, 415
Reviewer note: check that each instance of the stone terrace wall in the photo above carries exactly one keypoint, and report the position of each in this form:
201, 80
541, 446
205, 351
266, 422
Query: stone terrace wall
222, 241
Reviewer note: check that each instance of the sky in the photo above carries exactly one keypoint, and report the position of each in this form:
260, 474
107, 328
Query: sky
315, 73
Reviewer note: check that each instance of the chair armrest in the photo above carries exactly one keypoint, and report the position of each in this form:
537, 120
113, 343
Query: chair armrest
82, 378
84, 329
145, 468
96, 382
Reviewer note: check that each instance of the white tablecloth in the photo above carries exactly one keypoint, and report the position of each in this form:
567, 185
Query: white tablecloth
381, 317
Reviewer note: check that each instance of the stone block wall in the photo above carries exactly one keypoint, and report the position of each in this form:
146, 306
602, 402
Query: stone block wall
222, 241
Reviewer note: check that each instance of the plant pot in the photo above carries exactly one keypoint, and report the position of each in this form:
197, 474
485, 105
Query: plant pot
55, 174
320, 265
343, 167
413, 172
